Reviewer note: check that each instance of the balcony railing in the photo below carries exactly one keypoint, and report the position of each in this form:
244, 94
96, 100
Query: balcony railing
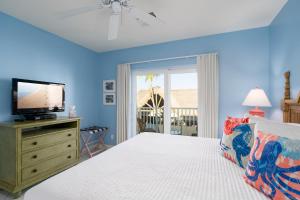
183, 120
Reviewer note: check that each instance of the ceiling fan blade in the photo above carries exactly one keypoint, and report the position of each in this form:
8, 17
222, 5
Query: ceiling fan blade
114, 24
76, 11
142, 17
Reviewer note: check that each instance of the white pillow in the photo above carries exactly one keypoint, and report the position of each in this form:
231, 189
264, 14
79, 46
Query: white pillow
288, 130
294, 124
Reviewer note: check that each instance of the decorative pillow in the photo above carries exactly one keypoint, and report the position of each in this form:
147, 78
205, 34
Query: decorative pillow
237, 145
232, 122
281, 129
274, 166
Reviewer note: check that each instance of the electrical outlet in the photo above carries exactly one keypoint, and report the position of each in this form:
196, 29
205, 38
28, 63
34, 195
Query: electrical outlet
112, 137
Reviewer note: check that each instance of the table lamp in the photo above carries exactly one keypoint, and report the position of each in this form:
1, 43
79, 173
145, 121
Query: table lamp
257, 98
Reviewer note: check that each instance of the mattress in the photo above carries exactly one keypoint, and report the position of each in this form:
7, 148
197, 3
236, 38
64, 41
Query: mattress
151, 167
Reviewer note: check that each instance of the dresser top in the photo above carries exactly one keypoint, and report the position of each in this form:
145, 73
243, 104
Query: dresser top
28, 124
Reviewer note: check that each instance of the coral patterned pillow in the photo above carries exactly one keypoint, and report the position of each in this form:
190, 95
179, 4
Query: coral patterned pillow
237, 145
232, 122
274, 166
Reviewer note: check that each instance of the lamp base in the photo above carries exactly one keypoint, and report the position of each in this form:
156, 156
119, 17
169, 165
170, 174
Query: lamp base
257, 112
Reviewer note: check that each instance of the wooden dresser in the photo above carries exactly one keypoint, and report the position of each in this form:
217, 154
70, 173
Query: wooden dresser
33, 151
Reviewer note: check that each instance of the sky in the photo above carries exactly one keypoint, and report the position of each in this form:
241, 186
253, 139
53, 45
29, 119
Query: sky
178, 81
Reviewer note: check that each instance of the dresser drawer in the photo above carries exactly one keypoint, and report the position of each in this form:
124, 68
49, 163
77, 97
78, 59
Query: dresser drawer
31, 143
34, 157
49, 166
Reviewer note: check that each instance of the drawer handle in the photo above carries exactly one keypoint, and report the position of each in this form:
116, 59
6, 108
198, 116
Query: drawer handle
34, 157
34, 171
69, 146
69, 157
69, 135
34, 143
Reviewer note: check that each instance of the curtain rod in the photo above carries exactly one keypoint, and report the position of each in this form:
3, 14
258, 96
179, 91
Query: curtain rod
162, 59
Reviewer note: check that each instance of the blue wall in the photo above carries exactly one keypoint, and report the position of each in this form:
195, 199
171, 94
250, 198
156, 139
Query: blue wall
244, 64
284, 53
30, 53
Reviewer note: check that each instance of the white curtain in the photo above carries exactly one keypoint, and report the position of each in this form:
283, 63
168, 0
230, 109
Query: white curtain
208, 95
123, 102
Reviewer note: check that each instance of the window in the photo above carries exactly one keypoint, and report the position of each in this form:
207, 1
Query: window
165, 101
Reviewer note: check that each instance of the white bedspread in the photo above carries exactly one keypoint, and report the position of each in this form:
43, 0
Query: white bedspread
151, 167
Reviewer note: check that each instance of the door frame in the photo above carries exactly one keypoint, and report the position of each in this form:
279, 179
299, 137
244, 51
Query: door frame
167, 91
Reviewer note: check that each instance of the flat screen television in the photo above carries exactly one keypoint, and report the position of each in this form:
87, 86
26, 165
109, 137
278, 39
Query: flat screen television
37, 97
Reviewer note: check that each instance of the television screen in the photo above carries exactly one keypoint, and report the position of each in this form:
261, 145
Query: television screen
37, 97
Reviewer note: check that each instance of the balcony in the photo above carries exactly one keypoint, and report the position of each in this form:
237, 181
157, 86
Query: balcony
183, 120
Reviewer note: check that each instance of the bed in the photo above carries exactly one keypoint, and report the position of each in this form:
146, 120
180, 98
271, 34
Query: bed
151, 166
155, 166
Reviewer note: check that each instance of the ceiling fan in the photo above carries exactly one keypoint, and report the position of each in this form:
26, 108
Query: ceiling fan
118, 7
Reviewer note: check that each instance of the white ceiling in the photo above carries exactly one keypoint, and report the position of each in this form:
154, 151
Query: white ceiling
183, 19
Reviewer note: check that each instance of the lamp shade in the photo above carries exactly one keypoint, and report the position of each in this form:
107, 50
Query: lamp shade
257, 97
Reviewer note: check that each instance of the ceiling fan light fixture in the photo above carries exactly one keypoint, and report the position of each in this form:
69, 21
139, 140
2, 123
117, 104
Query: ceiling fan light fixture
106, 2
116, 7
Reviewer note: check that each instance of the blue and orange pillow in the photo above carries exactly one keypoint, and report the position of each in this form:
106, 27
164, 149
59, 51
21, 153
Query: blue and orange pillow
274, 166
232, 122
237, 140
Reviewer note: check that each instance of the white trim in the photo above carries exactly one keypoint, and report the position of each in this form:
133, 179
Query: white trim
167, 109
188, 69
167, 86
185, 68
146, 71
163, 59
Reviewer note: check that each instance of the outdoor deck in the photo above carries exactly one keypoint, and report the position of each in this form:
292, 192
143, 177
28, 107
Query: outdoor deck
183, 120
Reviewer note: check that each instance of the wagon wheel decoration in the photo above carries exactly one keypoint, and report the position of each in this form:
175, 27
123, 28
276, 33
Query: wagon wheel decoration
155, 105
155, 102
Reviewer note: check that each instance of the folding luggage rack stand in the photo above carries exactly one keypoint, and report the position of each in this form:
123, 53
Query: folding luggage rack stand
93, 146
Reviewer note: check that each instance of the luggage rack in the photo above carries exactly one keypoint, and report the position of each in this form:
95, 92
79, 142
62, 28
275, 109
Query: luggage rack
93, 146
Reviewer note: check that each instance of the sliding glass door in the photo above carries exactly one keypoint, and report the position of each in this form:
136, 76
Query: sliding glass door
183, 102
150, 100
165, 101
